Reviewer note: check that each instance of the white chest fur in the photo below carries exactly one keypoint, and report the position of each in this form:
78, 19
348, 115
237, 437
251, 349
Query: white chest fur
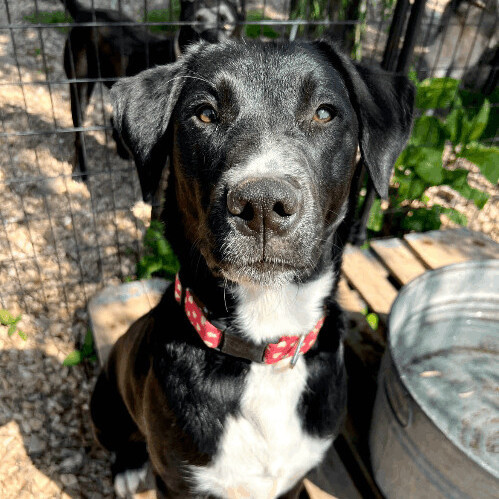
264, 450
265, 314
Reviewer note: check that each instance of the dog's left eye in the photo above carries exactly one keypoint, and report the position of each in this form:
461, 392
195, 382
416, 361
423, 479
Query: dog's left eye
207, 114
323, 115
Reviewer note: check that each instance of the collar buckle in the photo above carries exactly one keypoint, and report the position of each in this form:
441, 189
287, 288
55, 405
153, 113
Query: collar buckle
294, 360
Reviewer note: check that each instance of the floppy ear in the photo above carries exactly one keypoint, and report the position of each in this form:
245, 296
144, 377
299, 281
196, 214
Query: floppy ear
142, 107
383, 103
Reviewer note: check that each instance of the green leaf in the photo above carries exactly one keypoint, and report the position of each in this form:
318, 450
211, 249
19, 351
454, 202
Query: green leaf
427, 163
5, 317
159, 259
456, 216
22, 335
436, 93
479, 123
88, 344
416, 188
486, 158
16, 320
163, 247
458, 180
428, 132
454, 125
11, 330
422, 219
375, 221
147, 266
372, 320
73, 358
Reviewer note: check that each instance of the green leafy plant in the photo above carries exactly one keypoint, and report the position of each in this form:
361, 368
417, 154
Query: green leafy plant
87, 352
465, 130
371, 318
254, 30
9, 321
52, 17
159, 259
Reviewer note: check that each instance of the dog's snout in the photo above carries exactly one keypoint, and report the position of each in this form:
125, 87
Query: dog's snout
265, 204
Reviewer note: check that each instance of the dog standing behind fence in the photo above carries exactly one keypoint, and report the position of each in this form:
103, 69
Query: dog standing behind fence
234, 385
110, 50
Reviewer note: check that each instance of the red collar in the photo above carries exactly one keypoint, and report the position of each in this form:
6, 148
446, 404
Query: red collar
225, 341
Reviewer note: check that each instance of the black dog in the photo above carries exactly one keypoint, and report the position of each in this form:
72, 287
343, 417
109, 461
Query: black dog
262, 140
111, 50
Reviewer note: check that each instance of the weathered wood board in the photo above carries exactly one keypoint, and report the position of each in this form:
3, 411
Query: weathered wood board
365, 276
444, 247
398, 259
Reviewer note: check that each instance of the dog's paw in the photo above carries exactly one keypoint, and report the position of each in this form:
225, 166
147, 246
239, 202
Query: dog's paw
127, 482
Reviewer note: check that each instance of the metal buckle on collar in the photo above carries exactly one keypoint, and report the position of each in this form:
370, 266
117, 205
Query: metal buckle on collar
294, 360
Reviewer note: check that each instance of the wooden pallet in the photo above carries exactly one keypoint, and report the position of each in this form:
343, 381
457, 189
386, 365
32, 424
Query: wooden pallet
370, 281
376, 274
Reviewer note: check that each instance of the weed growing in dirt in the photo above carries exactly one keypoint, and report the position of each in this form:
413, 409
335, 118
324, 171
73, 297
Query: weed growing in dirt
9, 321
159, 259
87, 352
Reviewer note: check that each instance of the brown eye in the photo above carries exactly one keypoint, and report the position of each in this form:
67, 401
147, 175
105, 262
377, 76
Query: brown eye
207, 114
323, 115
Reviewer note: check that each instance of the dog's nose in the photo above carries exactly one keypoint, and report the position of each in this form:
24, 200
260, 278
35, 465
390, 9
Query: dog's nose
266, 204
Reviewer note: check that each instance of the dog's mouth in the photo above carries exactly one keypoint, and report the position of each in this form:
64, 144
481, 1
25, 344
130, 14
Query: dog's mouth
264, 271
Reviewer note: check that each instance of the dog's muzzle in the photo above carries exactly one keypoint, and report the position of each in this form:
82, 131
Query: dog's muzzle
265, 204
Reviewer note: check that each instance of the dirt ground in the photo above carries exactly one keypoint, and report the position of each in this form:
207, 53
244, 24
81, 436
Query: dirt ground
61, 241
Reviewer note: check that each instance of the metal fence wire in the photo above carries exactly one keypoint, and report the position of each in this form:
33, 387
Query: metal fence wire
63, 237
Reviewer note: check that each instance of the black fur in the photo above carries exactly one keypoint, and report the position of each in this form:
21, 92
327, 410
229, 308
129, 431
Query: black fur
178, 392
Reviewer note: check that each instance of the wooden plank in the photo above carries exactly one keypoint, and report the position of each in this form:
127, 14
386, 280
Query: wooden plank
367, 279
115, 308
380, 268
331, 480
347, 298
399, 259
444, 247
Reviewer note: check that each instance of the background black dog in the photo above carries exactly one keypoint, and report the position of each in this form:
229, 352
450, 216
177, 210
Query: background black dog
263, 140
109, 51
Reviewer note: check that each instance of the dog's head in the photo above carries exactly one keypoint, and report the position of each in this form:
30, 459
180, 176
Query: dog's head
214, 20
263, 140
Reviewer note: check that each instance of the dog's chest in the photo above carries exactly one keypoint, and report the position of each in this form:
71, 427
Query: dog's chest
264, 450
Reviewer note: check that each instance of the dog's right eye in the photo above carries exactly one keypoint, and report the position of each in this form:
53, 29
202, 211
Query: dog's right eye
207, 114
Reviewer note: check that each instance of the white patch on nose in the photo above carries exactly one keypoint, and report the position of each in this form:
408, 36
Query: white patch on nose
270, 163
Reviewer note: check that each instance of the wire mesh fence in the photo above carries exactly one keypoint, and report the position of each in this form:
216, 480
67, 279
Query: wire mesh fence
65, 233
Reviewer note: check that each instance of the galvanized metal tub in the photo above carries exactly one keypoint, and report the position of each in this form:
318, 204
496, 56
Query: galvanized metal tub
435, 427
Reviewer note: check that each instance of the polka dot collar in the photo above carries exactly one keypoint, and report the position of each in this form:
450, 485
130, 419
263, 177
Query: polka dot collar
225, 341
